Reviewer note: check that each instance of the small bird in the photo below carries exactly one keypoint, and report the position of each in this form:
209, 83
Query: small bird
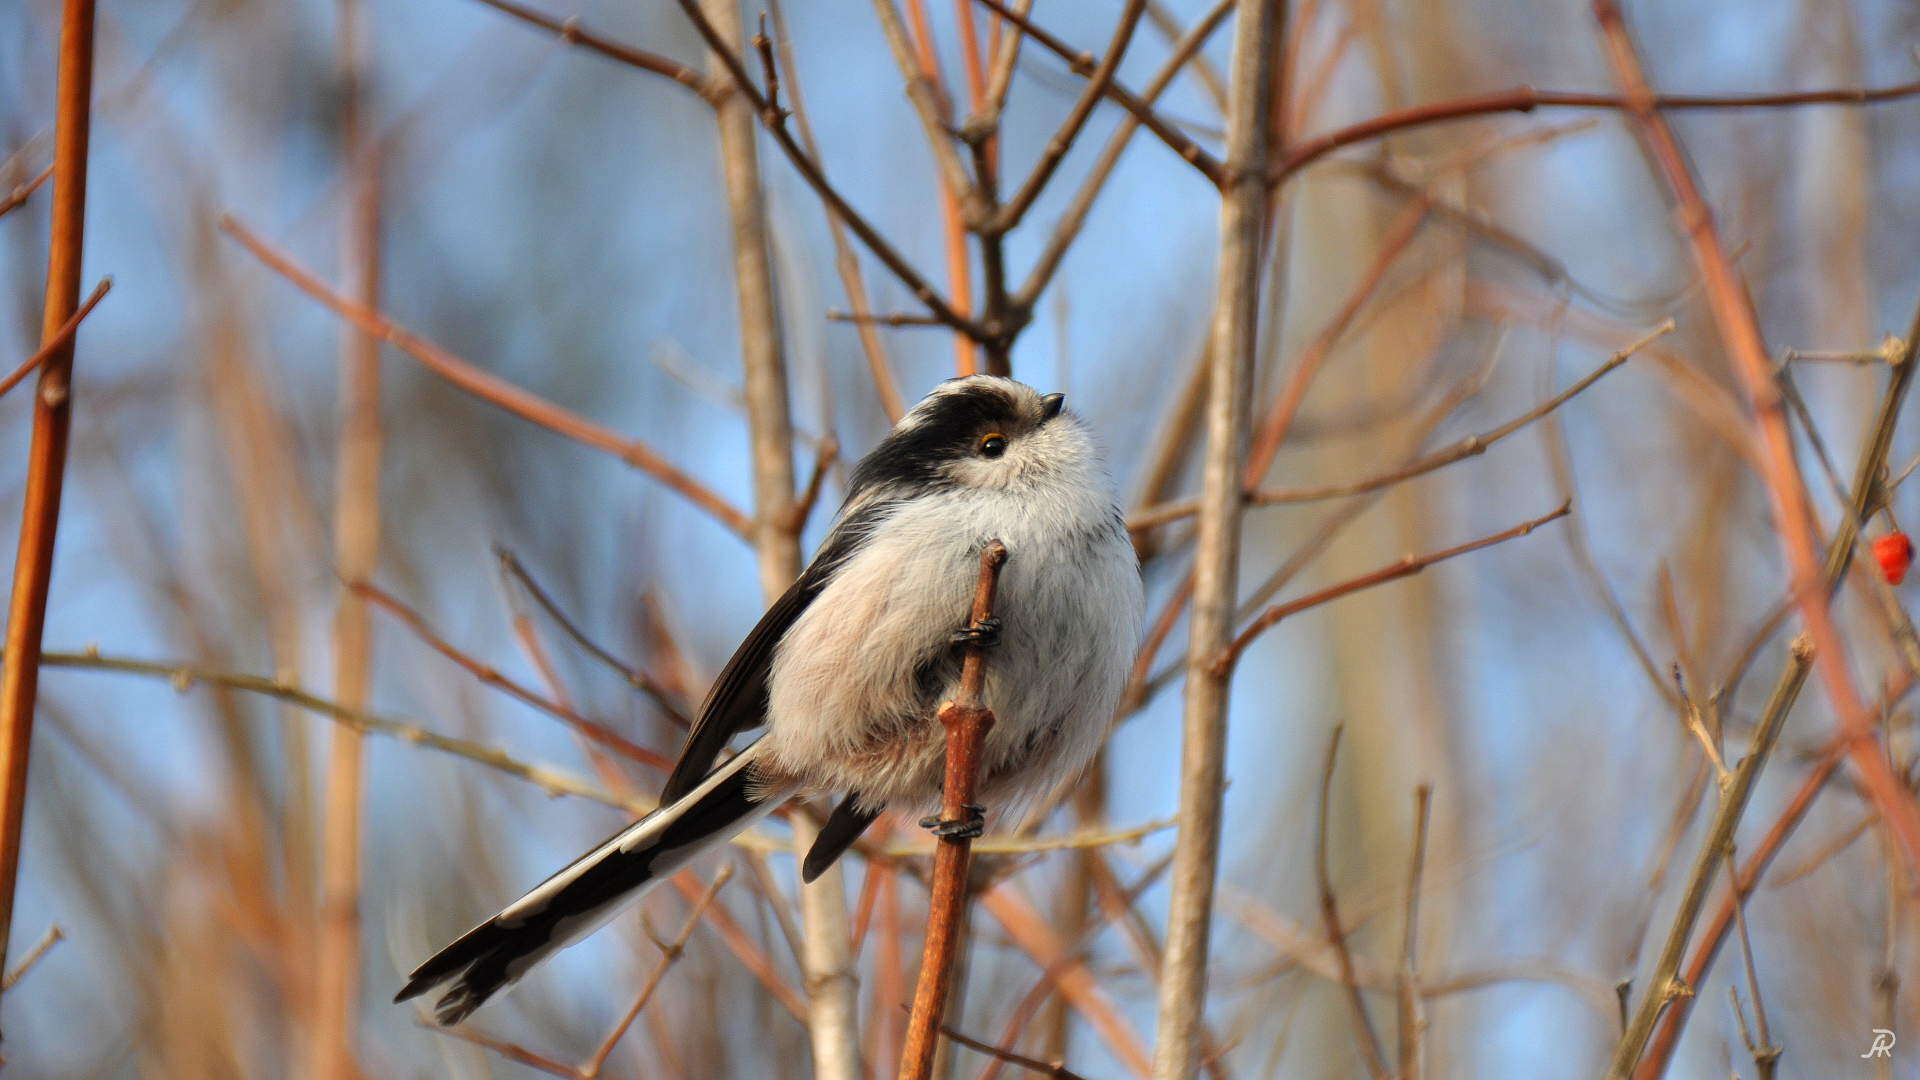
847, 671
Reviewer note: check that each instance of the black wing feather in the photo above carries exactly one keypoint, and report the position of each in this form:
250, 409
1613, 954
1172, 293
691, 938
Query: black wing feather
848, 821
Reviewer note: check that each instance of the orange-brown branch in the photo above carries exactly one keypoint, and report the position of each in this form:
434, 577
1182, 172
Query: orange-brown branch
47, 451
967, 721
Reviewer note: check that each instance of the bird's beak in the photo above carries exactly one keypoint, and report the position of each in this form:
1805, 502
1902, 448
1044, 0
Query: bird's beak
1050, 406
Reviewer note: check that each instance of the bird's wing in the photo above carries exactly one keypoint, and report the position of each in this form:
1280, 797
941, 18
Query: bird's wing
738, 699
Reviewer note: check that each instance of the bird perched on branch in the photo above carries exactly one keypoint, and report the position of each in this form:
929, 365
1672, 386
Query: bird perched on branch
847, 671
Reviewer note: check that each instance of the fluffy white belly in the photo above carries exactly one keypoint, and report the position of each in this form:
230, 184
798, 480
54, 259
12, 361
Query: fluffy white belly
857, 680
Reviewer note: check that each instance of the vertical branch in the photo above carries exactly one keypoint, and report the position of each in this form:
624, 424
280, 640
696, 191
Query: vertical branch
966, 721
356, 538
827, 946
47, 452
1183, 983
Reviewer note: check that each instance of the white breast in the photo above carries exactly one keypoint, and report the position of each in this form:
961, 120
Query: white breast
848, 708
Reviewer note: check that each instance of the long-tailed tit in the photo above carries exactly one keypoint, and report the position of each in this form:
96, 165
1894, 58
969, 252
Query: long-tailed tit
847, 670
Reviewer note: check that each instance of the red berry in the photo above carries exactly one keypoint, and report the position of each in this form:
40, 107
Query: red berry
1894, 552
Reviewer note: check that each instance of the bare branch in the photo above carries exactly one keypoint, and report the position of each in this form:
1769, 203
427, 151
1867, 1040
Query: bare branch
491, 388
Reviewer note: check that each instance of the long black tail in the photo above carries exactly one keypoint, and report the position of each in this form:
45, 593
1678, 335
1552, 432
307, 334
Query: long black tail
579, 899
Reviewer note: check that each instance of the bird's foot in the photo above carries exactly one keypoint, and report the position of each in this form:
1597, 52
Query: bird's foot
984, 634
965, 828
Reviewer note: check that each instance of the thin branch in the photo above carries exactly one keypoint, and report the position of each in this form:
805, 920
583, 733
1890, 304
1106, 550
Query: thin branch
1766, 1056
1368, 1039
637, 678
486, 673
967, 722
816, 178
47, 449
1470, 446
491, 388
1057, 1070
1405, 567
48, 940
669, 955
1056, 147
1526, 99
510, 1050
1084, 65
878, 319
25, 191
1075, 217
570, 31
61, 339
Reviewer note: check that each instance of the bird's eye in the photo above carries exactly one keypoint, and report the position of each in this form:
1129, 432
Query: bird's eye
993, 445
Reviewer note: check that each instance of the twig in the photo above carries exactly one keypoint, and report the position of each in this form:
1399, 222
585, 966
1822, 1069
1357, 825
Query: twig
1739, 326
1526, 99
1468, 447
61, 339
1084, 65
21, 194
48, 940
184, 675
1056, 147
1766, 1056
873, 319
637, 678
1367, 1038
816, 178
47, 449
510, 1050
487, 674
669, 955
967, 722
1056, 1070
1412, 564
1413, 1021
570, 31
1075, 216
1243, 229
491, 388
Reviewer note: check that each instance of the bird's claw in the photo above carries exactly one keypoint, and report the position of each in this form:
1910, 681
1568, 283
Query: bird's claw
965, 828
984, 634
